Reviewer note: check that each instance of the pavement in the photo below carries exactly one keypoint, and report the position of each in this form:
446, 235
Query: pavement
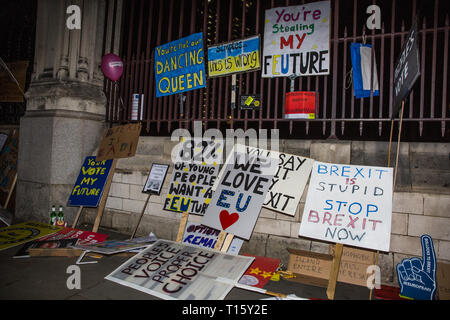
45, 278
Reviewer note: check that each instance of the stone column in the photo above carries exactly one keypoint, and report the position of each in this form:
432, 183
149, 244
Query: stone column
65, 114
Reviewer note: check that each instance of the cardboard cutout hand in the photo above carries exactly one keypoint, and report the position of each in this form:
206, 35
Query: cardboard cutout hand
417, 278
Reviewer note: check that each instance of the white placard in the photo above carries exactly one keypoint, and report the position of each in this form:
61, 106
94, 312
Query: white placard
177, 271
349, 204
297, 40
243, 185
288, 183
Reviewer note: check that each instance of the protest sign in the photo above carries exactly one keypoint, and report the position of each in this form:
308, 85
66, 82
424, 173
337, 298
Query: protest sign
349, 204
180, 66
119, 142
250, 102
23, 232
206, 237
85, 237
443, 280
232, 57
260, 271
156, 178
407, 68
88, 188
191, 187
301, 105
244, 182
297, 40
171, 270
289, 181
44, 244
8, 162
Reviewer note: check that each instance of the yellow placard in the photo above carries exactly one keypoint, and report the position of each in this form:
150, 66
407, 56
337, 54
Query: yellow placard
23, 232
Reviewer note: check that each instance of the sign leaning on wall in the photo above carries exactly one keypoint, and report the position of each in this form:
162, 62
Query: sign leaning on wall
180, 66
349, 204
297, 40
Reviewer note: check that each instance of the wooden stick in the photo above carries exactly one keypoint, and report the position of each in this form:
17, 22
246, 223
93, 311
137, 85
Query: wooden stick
102, 204
390, 143
376, 262
10, 192
334, 273
220, 240
398, 146
182, 226
77, 217
140, 217
227, 242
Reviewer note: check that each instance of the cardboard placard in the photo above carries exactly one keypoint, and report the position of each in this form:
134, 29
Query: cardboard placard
349, 204
9, 92
88, 188
300, 105
244, 182
8, 161
119, 142
180, 66
233, 57
297, 40
443, 280
177, 271
288, 183
155, 179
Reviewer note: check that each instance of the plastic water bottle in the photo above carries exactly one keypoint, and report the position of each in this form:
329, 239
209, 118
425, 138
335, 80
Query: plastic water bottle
53, 216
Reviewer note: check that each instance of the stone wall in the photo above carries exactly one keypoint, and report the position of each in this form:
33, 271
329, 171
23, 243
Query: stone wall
421, 202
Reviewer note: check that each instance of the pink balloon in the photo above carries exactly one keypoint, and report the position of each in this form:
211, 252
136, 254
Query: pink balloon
112, 66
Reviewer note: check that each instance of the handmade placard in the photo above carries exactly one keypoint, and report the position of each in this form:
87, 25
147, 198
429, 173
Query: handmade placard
206, 237
8, 161
119, 142
155, 179
178, 271
232, 57
88, 188
297, 40
250, 102
349, 204
300, 105
180, 66
289, 181
240, 193
23, 232
191, 187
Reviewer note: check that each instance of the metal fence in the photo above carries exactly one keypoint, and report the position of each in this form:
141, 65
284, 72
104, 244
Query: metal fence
147, 24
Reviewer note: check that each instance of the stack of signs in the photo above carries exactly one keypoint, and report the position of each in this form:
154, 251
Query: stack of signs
244, 182
297, 40
349, 204
289, 181
206, 237
85, 237
111, 246
171, 270
45, 244
237, 56
24, 232
88, 188
180, 66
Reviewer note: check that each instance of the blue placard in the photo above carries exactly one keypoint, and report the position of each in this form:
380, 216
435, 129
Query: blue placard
417, 277
180, 66
88, 188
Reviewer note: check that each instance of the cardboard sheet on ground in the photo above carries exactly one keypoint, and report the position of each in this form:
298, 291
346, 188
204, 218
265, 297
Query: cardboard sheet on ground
178, 271
23, 232
349, 204
260, 271
240, 193
206, 237
288, 183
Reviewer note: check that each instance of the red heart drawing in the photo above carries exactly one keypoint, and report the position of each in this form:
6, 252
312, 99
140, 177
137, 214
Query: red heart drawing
227, 219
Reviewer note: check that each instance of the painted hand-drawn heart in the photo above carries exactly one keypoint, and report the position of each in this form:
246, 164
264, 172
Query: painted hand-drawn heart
227, 219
